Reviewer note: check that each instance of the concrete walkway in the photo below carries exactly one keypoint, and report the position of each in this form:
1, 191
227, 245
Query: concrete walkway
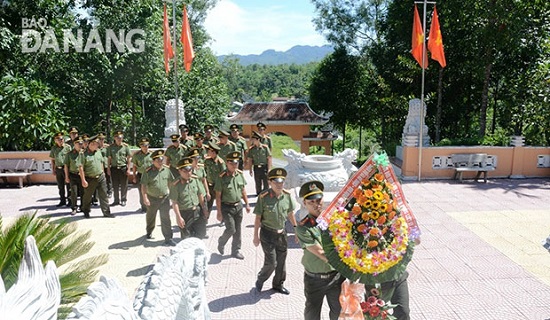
480, 256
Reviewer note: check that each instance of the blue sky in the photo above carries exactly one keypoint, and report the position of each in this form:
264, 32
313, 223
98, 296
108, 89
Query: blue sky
253, 26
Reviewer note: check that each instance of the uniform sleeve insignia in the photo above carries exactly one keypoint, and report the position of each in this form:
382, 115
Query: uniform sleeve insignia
264, 193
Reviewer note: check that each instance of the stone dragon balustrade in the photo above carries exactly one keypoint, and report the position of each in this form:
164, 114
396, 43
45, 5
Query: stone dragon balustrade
173, 289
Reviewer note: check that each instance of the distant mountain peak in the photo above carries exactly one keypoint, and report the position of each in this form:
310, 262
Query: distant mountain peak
298, 55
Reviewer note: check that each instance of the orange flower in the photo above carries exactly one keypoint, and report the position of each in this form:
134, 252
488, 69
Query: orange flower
392, 215
389, 208
357, 193
387, 197
384, 230
365, 181
356, 210
362, 228
362, 201
365, 216
374, 231
368, 193
377, 187
373, 244
379, 177
381, 220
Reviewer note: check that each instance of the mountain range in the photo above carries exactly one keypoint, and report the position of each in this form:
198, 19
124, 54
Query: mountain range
296, 55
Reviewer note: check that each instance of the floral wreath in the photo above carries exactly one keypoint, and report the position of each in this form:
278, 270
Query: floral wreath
368, 239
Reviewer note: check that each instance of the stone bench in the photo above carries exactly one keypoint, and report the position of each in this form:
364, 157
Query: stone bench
464, 162
16, 168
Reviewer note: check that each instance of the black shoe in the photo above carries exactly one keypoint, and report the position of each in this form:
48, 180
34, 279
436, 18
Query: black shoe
109, 215
238, 255
259, 285
95, 203
123, 203
220, 248
282, 290
61, 203
148, 236
170, 242
86, 215
144, 209
116, 203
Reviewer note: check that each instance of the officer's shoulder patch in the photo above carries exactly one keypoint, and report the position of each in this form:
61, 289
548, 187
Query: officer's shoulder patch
148, 168
231, 143
194, 176
165, 166
222, 173
125, 144
171, 147
263, 194
238, 171
286, 191
200, 164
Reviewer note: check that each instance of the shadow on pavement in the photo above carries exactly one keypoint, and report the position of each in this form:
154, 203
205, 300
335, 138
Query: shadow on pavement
140, 272
125, 245
247, 298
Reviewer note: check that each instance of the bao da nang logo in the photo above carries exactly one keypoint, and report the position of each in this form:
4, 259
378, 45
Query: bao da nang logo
36, 36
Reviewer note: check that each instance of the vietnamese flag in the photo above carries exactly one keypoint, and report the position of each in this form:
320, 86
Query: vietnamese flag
418, 41
168, 51
187, 42
435, 42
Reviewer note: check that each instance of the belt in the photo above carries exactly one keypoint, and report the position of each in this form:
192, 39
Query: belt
119, 168
259, 165
327, 275
231, 204
279, 231
191, 209
73, 173
158, 197
59, 167
94, 177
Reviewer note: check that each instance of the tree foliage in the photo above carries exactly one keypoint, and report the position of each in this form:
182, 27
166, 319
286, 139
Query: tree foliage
497, 63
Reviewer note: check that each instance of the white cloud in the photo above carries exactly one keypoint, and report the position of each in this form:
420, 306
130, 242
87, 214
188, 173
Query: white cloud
235, 29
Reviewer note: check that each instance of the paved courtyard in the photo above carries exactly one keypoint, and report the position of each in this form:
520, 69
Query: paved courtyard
480, 256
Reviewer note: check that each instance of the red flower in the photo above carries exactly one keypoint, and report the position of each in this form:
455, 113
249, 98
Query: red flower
374, 311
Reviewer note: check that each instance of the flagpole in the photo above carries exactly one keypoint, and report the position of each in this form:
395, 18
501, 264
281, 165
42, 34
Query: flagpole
420, 131
175, 64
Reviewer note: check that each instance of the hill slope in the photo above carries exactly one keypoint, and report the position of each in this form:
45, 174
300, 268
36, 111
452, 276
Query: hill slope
296, 54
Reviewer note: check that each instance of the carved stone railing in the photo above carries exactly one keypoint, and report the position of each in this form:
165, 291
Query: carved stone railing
173, 289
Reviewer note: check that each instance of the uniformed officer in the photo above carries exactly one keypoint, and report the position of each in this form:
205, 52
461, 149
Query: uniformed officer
73, 134
72, 176
187, 197
92, 176
155, 190
259, 161
240, 142
185, 138
214, 165
103, 148
200, 172
174, 153
230, 189
119, 155
141, 160
273, 208
225, 145
209, 134
265, 139
57, 156
199, 144
320, 278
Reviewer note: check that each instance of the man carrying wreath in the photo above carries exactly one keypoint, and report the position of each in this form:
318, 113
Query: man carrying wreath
320, 278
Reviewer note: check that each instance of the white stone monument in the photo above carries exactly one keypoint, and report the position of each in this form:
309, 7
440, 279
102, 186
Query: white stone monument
171, 119
411, 130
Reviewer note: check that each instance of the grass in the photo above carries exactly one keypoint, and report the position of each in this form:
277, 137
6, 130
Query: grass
281, 142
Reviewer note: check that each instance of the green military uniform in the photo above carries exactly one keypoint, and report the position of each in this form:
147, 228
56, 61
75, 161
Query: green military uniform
155, 182
231, 187
91, 170
264, 138
175, 153
273, 212
104, 151
72, 160
118, 158
213, 169
57, 155
259, 156
240, 144
141, 162
227, 148
186, 195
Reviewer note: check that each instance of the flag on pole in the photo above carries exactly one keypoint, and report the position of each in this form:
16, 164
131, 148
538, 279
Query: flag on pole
435, 42
418, 41
187, 42
168, 51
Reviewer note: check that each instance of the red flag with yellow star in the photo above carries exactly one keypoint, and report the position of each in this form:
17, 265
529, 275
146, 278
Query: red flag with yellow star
435, 42
418, 41
168, 51
187, 41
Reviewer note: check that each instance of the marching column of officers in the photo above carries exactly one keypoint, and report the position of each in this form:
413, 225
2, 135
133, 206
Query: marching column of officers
188, 177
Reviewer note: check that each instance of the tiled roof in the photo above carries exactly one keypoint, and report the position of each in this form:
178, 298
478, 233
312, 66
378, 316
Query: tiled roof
277, 113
